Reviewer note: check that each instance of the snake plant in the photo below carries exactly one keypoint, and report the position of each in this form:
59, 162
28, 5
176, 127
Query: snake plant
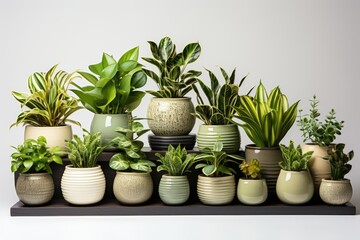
293, 158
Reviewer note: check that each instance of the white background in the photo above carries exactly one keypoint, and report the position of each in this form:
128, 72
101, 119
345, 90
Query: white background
307, 47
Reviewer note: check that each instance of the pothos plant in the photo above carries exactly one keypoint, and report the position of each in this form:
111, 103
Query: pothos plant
113, 84
173, 80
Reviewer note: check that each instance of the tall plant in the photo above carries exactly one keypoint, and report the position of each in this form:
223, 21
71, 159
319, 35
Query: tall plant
267, 118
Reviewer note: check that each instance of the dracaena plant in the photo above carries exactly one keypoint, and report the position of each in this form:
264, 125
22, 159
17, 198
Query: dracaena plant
113, 85
293, 158
220, 99
173, 80
48, 102
339, 161
266, 118
251, 169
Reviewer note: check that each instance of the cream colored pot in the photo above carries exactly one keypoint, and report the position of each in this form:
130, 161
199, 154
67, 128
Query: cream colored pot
216, 190
252, 191
336, 192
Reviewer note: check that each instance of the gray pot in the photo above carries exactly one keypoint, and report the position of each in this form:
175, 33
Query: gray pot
35, 188
174, 190
336, 192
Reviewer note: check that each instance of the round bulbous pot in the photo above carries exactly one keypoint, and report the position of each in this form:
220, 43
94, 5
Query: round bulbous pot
174, 190
216, 190
83, 186
171, 116
229, 135
132, 188
252, 191
35, 188
335, 192
294, 187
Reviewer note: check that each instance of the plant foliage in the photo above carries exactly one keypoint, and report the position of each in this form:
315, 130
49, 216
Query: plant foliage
293, 158
251, 169
339, 161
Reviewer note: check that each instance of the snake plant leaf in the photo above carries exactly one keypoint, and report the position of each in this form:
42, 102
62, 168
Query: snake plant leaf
191, 53
225, 75
261, 93
130, 55
166, 48
208, 92
154, 50
119, 162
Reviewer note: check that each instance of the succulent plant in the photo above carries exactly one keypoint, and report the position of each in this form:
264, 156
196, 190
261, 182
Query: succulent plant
251, 169
339, 161
293, 158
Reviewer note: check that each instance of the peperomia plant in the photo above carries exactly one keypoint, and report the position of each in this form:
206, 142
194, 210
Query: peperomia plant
114, 89
293, 158
339, 161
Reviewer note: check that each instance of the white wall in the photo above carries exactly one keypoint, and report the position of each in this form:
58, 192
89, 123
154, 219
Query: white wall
306, 47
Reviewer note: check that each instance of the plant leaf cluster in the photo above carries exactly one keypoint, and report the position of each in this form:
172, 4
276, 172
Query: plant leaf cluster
172, 80
267, 118
114, 88
315, 131
47, 103
251, 169
34, 156
339, 161
176, 161
293, 158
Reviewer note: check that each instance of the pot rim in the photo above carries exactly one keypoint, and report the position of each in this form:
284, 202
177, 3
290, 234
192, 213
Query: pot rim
336, 181
302, 171
179, 176
110, 114
37, 173
82, 169
247, 179
253, 146
132, 173
228, 176
173, 99
315, 144
61, 126
221, 125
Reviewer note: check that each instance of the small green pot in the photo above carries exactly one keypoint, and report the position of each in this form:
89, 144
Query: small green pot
252, 191
174, 190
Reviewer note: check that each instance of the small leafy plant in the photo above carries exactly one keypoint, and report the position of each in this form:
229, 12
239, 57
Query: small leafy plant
173, 81
317, 132
176, 161
34, 156
251, 170
293, 158
339, 161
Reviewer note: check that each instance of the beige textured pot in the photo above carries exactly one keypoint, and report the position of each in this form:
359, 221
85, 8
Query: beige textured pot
174, 190
83, 186
171, 116
294, 187
216, 190
252, 191
336, 192
35, 188
132, 188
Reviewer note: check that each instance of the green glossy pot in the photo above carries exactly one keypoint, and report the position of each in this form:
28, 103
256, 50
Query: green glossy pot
252, 191
174, 190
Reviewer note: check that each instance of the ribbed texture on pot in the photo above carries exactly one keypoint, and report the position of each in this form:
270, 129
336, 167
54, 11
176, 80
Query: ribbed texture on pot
216, 190
174, 190
83, 186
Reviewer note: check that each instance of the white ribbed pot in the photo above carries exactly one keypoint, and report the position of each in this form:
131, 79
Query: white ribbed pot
335, 192
83, 186
252, 191
216, 190
174, 190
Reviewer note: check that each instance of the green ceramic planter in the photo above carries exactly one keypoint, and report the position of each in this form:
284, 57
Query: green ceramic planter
174, 190
252, 191
216, 190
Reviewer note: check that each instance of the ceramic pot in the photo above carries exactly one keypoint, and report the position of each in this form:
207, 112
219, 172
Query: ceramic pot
171, 116
83, 186
35, 188
174, 190
335, 192
294, 187
55, 136
252, 191
216, 190
227, 134
132, 188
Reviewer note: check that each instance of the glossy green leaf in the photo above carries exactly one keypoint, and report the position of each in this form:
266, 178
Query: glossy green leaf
130, 55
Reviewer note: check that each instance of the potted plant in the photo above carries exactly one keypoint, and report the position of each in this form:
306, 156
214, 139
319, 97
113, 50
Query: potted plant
48, 107
251, 189
174, 188
266, 118
83, 181
170, 112
31, 160
113, 92
216, 115
338, 189
319, 137
133, 183
216, 186
294, 184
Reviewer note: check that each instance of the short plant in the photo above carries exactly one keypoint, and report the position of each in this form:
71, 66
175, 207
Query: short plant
34, 156
315, 131
176, 161
267, 118
251, 170
172, 81
293, 158
214, 162
84, 153
221, 99
47, 103
339, 161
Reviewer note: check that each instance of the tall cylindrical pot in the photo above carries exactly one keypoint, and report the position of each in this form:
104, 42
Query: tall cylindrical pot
174, 190
216, 190
252, 191
335, 192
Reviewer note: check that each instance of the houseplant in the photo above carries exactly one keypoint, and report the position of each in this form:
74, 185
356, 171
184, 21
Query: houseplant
217, 113
31, 160
338, 189
251, 189
174, 188
113, 92
83, 181
216, 186
266, 118
169, 112
133, 183
319, 137
294, 184
48, 107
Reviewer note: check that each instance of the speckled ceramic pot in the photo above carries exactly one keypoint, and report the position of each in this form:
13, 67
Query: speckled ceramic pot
252, 191
171, 116
35, 188
216, 190
132, 188
335, 192
174, 190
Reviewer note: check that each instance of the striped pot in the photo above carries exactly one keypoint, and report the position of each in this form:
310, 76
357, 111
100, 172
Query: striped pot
174, 190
